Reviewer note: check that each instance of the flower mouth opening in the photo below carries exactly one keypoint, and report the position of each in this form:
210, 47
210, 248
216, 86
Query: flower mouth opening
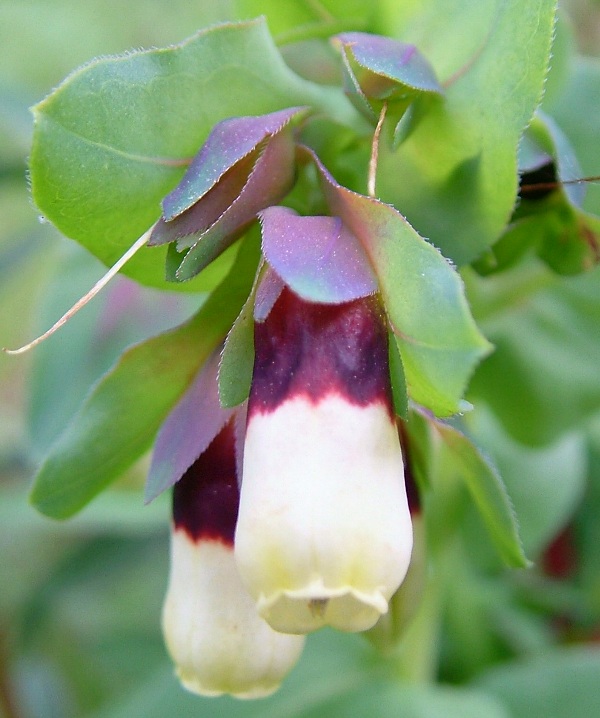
191, 683
315, 606
212, 630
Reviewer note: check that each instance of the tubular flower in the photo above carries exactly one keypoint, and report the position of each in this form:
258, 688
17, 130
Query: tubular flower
212, 630
324, 533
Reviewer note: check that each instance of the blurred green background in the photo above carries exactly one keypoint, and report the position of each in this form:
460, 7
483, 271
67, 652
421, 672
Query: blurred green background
80, 601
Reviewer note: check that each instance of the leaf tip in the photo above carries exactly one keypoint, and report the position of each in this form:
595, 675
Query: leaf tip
48, 508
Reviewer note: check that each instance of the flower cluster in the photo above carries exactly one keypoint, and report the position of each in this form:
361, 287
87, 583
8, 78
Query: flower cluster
320, 533
289, 511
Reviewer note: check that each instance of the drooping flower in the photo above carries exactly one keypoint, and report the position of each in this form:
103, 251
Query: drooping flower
324, 533
407, 601
212, 629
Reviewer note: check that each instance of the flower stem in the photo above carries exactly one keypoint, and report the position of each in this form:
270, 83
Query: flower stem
417, 655
375, 153
320, 10
100, 284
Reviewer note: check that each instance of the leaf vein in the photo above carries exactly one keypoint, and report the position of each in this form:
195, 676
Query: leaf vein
135, 157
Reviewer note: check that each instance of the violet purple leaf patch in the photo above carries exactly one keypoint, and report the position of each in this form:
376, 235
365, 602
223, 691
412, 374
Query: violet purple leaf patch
228, 144
318, 257
208, 209
265, 182
386, 58
379, 69
188, 430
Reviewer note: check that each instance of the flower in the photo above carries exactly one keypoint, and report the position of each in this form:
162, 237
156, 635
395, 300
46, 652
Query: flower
324, 534
211, 626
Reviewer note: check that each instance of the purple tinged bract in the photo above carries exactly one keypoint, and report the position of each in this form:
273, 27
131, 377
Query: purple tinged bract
229, 142
399, 62
188, 430
246, 164
377, 69
318, 257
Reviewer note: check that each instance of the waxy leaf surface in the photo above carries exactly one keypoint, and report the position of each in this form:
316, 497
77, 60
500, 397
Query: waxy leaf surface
378, 69
455, 175
271, 178
237, 357
391, 59
118, 421
115, 137
487, 491
556, 478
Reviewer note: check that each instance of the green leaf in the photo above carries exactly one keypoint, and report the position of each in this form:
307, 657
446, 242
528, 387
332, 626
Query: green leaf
119, 419
332, 665
237, 358
455, 177
555, 478
549, 219
575, 111
292, 18
115, 137
562, 683
462, 458
68, 363
542, 379
398, 379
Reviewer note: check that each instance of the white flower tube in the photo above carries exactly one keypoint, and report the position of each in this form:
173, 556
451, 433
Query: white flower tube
324, 534
212, 630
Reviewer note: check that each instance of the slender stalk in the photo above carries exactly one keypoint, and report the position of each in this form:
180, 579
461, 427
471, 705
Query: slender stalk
555, 185
416, 658
320, 10
100, 284
375, 153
